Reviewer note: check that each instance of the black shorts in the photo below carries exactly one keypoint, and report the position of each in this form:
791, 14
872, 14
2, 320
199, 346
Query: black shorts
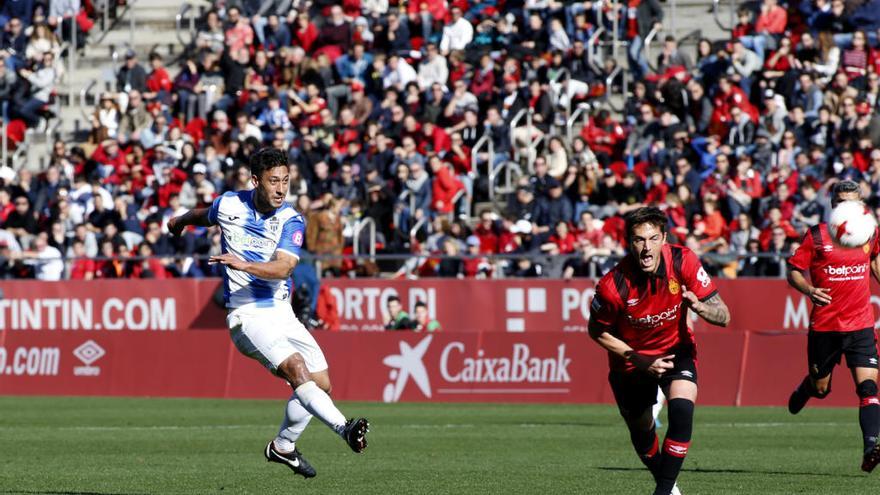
825, 348
636, 391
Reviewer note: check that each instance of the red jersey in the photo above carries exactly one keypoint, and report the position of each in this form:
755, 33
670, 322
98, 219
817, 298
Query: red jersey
646, 310
846, 272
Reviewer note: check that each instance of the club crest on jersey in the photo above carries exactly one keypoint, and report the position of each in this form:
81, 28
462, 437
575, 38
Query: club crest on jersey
674, 286
866, 248
273, 224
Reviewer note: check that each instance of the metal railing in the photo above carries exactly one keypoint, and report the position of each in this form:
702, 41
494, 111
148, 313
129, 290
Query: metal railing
647, 47
495, 171
83, 99
418, 226
4, 153
498, 260
616, 25
533, 152
525, 112
594, 52
485, 141
359, 226
454, 202
178, 22
609, 85
581, 109
717, 15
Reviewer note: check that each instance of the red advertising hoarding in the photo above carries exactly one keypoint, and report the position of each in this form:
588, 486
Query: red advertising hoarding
507, 341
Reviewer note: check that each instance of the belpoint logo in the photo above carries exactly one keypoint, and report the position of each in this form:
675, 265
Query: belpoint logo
405, 365
651, 321
846, 270
88, 353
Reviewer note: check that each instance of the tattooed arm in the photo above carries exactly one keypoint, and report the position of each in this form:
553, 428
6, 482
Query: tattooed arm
713, 310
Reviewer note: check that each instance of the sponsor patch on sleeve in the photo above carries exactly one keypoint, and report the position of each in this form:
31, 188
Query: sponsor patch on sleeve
297, 238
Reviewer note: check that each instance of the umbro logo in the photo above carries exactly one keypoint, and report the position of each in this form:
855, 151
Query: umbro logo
827, 248
687, 374
632, 302
872, 360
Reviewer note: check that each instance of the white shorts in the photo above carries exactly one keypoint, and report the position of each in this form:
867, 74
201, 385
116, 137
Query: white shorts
271, 335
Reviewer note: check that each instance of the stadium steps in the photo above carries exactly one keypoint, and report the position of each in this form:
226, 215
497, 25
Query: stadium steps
155, 30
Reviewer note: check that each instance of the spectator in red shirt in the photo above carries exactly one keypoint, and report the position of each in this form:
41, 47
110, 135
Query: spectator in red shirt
444, 186
589, 230
769, 26
159, 82
562, 241
476, 266
147, 266
656, 195
486, 232
82, 267
775, 220
305, 33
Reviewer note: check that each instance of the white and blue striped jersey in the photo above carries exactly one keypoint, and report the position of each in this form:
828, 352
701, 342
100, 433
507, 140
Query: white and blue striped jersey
252, 236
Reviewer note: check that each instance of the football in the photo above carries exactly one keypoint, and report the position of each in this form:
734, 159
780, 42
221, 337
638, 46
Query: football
852, 224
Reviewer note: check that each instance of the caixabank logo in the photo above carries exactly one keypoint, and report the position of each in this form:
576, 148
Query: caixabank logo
88, 353
461, 370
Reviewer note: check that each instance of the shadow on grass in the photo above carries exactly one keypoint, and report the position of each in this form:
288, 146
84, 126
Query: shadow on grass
741, 471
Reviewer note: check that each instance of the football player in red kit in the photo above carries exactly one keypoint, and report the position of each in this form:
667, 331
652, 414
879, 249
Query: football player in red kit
639, 315
842, 319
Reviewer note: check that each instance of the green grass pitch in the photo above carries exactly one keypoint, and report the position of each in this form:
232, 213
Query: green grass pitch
182, 446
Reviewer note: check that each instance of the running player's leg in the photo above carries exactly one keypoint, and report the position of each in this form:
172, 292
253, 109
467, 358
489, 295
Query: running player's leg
296, 418
313, 386
311, 395
823, 354
860, 349
635, 395
681, 394
869, 415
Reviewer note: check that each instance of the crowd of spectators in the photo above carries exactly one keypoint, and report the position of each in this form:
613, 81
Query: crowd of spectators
380, 107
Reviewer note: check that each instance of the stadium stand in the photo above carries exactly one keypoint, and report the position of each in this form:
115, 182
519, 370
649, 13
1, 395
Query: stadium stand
454, 139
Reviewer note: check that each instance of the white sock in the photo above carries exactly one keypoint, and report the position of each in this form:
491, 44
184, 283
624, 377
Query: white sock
659, 405
317, 402
296, 418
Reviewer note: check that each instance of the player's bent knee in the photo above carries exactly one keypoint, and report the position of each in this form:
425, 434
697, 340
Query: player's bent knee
294, 370
867, 388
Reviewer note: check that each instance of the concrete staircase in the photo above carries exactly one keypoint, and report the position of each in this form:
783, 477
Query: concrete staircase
149, 25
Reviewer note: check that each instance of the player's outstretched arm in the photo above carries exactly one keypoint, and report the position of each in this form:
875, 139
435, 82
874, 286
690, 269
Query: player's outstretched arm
197, 217
280, 266
713, 310
818, 295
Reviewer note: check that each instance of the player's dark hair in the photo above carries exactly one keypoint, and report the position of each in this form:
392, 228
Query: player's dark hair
647, 214
844, 187
421, 304
267, 159
393, 298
